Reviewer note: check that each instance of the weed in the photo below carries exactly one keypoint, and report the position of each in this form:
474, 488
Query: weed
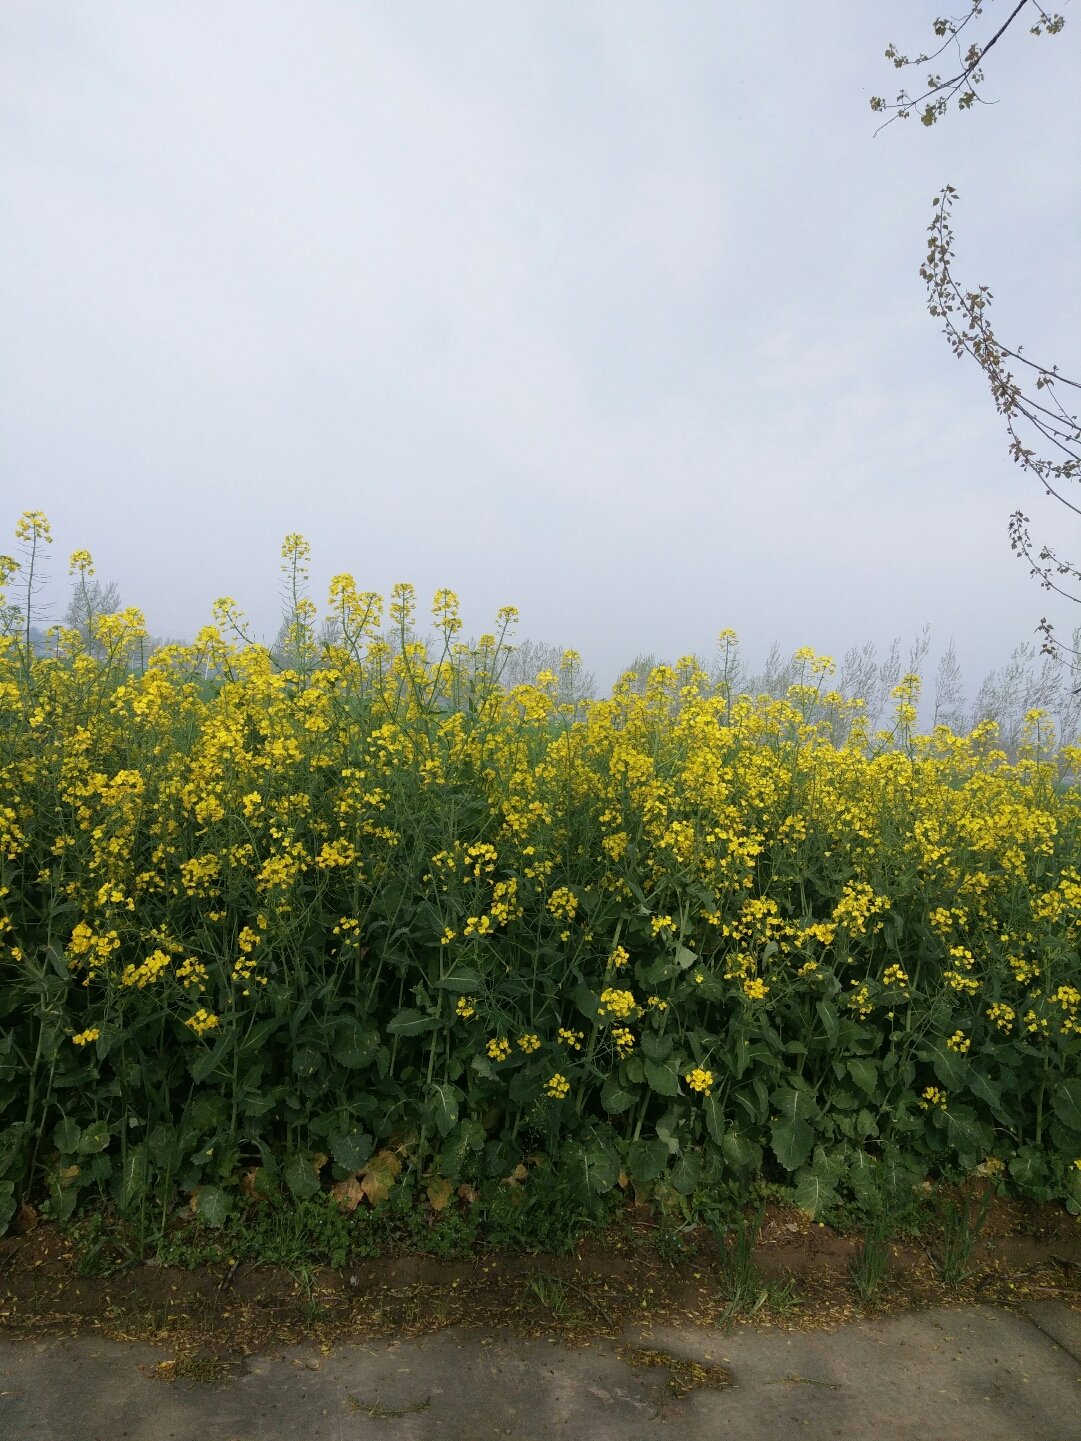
962, 1225
551, 1292
869, 1268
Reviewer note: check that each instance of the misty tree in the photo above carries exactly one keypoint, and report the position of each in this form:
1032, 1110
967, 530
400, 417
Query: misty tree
1008, 694
640, 668
951, 707
523, 662
1034, 399
88, 602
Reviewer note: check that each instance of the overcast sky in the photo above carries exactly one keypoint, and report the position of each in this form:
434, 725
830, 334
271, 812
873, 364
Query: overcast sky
610, 311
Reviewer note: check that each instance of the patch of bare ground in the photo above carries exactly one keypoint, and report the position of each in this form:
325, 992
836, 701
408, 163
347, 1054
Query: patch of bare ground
616, 1283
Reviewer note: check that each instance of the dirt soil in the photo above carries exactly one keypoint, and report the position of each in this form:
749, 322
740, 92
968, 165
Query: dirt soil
213, 1316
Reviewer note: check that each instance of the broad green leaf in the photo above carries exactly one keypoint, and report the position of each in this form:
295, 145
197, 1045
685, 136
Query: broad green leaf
211, 1205
950, 1068
713, 1114
129, 1184
741, 1153
94, 1138
586, 1001
1066, 1100
615, 1096
686, 1173
792, 1142
686, 958
662, 1077
863, 1175
442, 1108
354, 1045
67, 1136
968, 1136
646, 1160
813, 1192
1029, 1169
987, 1091
865, 1075
7, 1206
299, 1175
410, 1022
207, 1058
656, 1047
1073, 1191
350, 1149
462, 981
466, 1139
591, 1165
792, 1104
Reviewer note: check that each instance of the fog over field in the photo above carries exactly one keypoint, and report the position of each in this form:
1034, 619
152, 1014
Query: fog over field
608, 311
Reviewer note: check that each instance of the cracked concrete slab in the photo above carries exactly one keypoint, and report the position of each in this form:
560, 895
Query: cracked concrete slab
928, 1375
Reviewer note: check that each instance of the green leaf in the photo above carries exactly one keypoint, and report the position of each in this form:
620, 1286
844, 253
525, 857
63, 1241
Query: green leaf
94, 1138
442, 1108
411, 1023
461, 981
865, 1075
656, 1047
354, 1045
615, 1096
350, 1149
827, 1014
713, 1114
663, 1077
586, 1001
987, 1091
792, 1142
684, 958
950, 1068
685, 1174
130, 1182
741, 1153
646, 1160
968, 1136
67, 1136
207, 1058
814, 1191
592, 1164
7, 1206
1073, 1192
300, 1177
793, 1104
1066, 1101
863, 1175
467, 1138
1028, 1168
211, 1205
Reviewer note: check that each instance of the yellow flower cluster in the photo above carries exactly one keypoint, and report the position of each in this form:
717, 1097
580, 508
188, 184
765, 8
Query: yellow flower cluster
624, 1040
557, 1087
202, 1021
618, 1003
498, 1048
700, 1080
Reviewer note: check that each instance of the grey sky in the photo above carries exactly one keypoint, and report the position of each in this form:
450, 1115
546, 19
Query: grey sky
610, 311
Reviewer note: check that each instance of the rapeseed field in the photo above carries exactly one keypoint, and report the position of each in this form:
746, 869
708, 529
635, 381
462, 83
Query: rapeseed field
306, 922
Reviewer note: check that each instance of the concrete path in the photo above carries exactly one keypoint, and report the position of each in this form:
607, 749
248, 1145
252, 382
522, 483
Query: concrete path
978, 1373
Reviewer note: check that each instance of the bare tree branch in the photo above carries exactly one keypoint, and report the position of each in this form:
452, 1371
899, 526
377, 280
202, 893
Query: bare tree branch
966, 324
965, 82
